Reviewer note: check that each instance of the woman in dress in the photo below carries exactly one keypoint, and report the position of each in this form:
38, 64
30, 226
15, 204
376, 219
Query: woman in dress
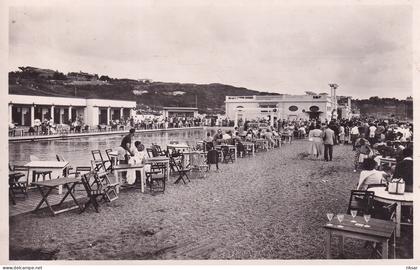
315, 137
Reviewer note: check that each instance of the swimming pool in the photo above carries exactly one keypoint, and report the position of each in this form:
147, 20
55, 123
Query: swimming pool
78, 150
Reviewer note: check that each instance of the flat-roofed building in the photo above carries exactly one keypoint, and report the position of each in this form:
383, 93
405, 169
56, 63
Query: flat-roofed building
24, 109
275, 107
180, 112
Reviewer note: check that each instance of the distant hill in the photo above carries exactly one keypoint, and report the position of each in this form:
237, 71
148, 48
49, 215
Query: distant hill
210, 97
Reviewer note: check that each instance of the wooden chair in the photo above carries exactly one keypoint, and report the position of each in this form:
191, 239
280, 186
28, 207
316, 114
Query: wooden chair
180, 169
37, 173
149, 152
100, 162
198, 164
97, 189
227, 154
386, 212
18, 181
157, 177
362, 201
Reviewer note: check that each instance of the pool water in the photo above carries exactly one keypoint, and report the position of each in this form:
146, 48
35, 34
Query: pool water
78, 150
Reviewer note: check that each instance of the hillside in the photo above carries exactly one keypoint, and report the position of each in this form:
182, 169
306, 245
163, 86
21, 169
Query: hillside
210, 97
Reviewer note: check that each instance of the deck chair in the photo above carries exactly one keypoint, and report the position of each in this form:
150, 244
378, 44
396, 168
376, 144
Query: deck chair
156, 178
362, 201
180, 169
37, 173
227, 154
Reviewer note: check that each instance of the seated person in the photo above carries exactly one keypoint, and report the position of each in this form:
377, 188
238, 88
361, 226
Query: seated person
404, 169
218, 137
369, 175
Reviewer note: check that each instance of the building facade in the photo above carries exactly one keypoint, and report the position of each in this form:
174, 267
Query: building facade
179, 112
275, 107
24, 109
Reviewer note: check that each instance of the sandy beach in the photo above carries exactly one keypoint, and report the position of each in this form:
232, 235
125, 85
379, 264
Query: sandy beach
271, 206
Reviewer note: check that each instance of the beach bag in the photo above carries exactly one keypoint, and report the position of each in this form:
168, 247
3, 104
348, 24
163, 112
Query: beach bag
396, 186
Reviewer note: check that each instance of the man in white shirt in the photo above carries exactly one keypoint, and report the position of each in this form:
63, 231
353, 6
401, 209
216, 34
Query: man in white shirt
372, 130
354, 134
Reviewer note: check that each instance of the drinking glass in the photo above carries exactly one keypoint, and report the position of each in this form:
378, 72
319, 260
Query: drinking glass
353, 215
330, 217
367, 218
340, 218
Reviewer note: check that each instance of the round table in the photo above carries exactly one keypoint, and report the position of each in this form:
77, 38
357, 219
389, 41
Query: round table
405, 199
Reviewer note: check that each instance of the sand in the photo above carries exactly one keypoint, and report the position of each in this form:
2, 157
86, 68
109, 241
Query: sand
271, 206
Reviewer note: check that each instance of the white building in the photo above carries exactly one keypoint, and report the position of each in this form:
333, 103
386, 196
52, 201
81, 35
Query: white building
24, 109
180, 112
274, 107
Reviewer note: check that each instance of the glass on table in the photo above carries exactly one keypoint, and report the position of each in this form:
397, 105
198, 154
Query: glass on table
353, 215
330, 217
340, 218
367, 218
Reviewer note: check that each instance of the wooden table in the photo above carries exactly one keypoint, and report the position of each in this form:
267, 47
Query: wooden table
127, 167
56, 168
68, 183
380, 231
405, 199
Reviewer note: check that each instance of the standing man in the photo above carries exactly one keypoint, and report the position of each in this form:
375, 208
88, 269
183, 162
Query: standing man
126, 144
328, 143
354, 135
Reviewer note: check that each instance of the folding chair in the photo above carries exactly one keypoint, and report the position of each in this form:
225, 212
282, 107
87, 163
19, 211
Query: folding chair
199, 164
97, 189
362, 201
18, 181
180, 169
149, 152
157, 177
99, 161
107, 152
227, 154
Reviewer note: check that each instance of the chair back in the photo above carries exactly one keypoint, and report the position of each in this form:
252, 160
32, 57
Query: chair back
385, 212
21, 169
362, 201
60, 157
149, 152
97, 155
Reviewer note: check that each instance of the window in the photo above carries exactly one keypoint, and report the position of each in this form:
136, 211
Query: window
239, 108
314, 108
293, 108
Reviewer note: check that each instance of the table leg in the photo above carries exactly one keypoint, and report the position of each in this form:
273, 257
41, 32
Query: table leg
117, 188
398, 220
385, 249
341, 245
142, 179
44, 199
328, 245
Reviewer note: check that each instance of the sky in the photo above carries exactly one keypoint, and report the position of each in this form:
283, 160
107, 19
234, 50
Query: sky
260, 45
